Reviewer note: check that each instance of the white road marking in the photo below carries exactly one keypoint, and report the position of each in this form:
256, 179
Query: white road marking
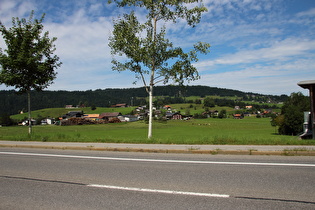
160, 160
159, 191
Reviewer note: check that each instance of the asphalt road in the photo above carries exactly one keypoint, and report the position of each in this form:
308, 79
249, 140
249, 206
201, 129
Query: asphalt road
65, 179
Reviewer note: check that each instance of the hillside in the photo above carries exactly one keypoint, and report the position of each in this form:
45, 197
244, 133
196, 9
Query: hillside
12, 103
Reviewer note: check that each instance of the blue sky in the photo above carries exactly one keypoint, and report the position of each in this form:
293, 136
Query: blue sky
261, 46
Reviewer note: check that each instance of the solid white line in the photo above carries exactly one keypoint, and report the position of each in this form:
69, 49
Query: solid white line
159, 191
160, 160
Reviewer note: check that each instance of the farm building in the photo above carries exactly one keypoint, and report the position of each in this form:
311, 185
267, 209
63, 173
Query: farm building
128, 118
238, 116
91, 116
48, 121
26, 122
72, 114
109, 115
174, 116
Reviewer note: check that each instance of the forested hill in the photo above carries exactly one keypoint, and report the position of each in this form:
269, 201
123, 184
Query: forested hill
12, 103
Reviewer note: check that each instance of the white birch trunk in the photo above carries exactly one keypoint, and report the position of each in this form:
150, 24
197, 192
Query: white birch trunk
152, 84
150, 111
29, 113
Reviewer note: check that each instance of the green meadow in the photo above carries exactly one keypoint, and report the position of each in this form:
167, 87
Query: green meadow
247, 131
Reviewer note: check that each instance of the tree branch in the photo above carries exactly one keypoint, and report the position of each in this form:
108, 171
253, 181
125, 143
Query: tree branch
162, 80
143, 80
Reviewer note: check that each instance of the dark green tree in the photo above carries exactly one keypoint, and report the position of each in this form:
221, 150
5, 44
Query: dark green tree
222, 114
209, 102
93, 107
277, 120
197, 101
6, 120
151, 56
29, 62
292, 114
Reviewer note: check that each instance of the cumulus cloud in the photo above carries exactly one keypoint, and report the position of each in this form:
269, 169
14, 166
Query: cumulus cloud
279, 51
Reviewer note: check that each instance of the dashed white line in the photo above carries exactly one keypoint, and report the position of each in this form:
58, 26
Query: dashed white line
160, 160
159, 191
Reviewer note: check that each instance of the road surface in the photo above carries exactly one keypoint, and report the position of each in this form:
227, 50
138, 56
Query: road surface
66, 179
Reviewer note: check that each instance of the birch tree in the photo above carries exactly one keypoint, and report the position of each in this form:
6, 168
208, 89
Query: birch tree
147, 51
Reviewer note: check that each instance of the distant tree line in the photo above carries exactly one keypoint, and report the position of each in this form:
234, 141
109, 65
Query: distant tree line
12, 103
212, 102
209, 102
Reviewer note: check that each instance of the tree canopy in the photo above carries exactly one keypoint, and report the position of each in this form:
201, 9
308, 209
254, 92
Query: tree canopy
28, 62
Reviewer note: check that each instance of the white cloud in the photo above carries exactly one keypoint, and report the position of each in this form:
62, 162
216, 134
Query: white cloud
279, 51
310, 12
17, 8
83, 40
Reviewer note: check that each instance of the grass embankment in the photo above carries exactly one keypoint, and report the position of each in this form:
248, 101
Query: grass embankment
250, 130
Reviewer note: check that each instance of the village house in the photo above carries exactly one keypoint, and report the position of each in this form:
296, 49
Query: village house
167, 107
26, 122
48, 121
128, 118
69, 107
91, 116
157, 113
109, 115
169, 115
267, 111
247, 114
177, 116
174, 116
72, 114
213, 113
238, 116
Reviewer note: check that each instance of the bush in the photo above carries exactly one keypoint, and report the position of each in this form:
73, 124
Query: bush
93, 107
6, 120
199, 116
222, 114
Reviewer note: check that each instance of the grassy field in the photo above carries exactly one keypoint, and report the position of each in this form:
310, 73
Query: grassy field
250, 130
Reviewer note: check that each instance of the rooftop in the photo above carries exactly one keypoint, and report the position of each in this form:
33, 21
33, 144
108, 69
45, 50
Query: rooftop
306, 84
